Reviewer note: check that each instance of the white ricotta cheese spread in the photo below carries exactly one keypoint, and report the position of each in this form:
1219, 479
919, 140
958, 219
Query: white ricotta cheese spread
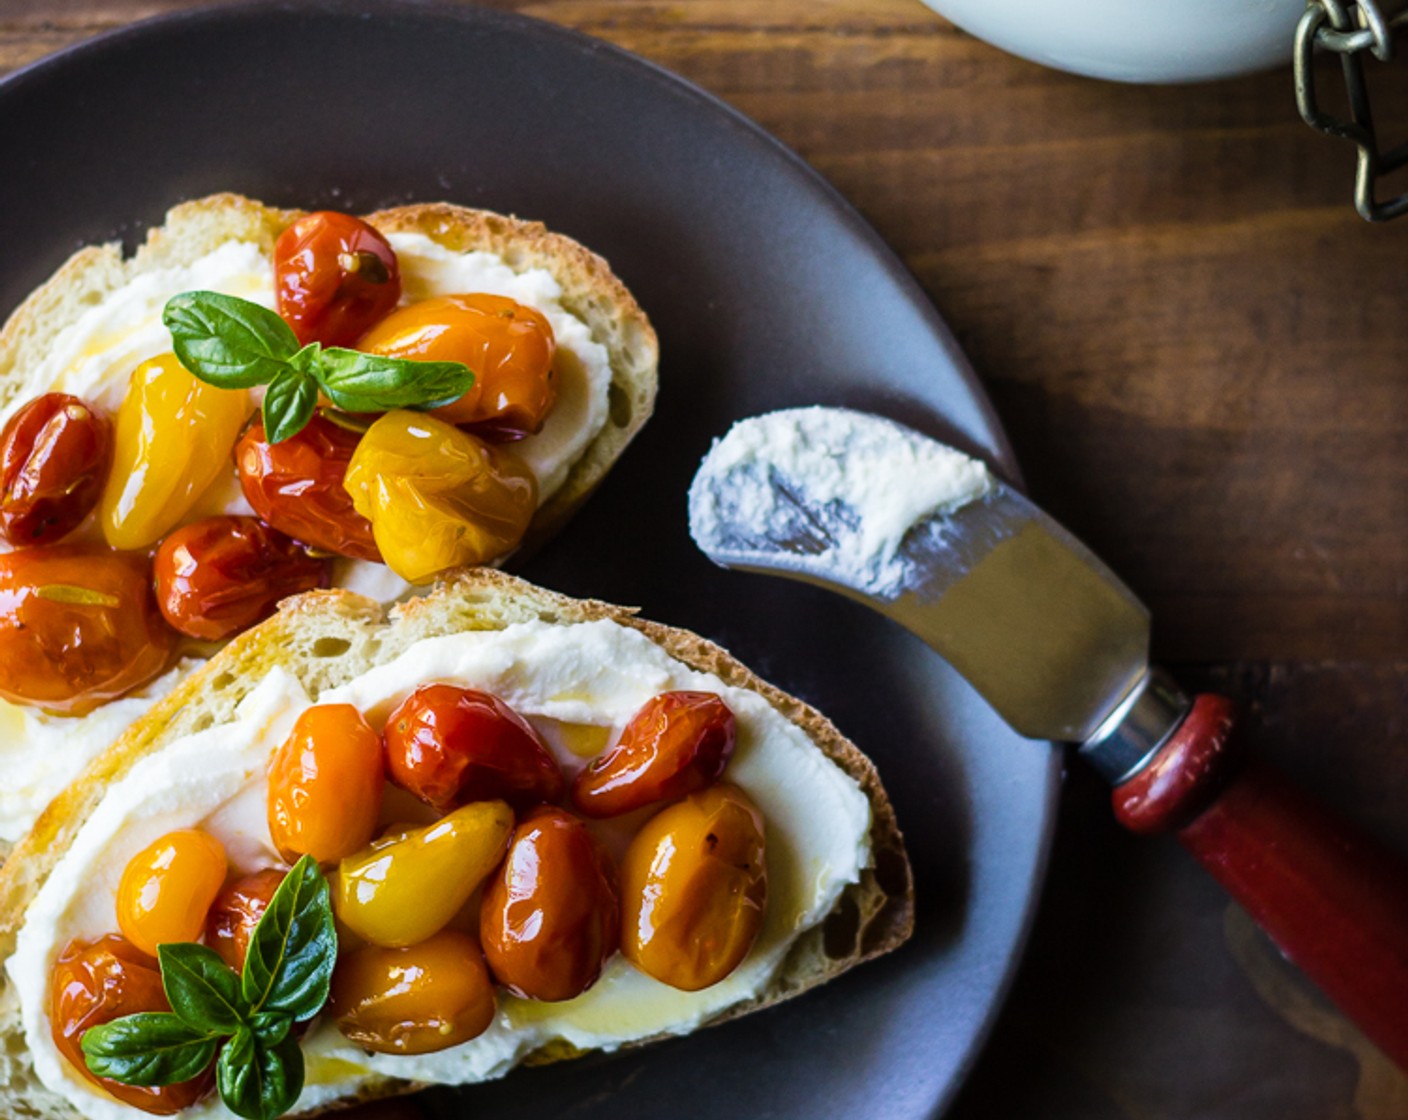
592, 675
841, 488
94, 358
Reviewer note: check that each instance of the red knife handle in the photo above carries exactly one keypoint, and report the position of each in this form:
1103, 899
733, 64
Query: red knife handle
1333, 900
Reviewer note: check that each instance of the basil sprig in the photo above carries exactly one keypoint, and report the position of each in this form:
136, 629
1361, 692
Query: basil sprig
246, 1017
232, 343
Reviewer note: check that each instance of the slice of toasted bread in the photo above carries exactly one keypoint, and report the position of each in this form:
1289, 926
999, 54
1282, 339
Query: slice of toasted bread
325, 639
589, 291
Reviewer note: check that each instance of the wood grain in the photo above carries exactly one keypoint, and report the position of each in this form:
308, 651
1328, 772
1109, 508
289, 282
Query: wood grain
1201, 354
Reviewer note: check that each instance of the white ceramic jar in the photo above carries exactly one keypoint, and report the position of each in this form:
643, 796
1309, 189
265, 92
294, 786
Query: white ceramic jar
1136, 40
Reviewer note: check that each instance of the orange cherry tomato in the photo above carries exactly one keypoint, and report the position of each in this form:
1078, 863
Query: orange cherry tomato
677, 743
550, 918
219, 576
97, 982
508, 345
236, 911
167, 888
54, 458
414, 1000
296, 486
78, 626
334, 276
325, 785
450, 746
694, 884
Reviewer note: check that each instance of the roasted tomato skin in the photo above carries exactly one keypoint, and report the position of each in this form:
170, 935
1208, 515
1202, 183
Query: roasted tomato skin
54, 459
413, 1000
236, 911
334, 276
296, 486
450, 746
97, 982
78, 626
438, 497
508, 345
694, 888
678, 742
325, 785
219, 576
550, 918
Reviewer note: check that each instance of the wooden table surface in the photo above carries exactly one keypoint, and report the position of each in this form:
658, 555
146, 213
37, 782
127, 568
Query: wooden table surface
1201, 355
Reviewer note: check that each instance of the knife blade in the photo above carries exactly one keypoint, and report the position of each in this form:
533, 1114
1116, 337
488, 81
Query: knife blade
1045, 632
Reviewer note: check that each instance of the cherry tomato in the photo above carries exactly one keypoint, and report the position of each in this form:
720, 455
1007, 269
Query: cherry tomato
325, 785
413, 1000
677, 743
450, 746
167, 888
54, 457
438, 497
219, 576
550, 917
97, 982
296, 486
409, 883
78, 626
334, 276
694, 884
508, 345
172, 438
236, 911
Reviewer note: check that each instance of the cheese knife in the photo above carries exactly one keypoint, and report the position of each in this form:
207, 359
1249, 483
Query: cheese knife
1059, 647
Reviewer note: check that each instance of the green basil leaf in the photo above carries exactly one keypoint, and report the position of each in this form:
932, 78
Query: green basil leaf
229, 342
204, 991
270, 1027
151, 1048
293, 948
289, 405
259, 1082
358, 382
308, 359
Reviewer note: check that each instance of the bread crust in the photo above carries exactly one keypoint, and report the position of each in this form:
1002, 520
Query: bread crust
590, 291
325, 638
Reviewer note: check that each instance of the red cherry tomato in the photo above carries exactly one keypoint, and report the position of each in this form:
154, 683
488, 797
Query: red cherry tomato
219, 576
54, 459
78, 626
334, 276
95, 983
551, 916
296, 486
678, 743
236, 911
450, 746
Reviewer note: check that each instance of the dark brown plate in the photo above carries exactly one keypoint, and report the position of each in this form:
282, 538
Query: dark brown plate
768, 291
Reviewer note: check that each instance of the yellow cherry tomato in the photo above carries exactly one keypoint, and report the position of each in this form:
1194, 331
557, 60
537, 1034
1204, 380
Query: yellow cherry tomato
415, 1000
693, 887
173, 437
408, 885
167, 888
438, 497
